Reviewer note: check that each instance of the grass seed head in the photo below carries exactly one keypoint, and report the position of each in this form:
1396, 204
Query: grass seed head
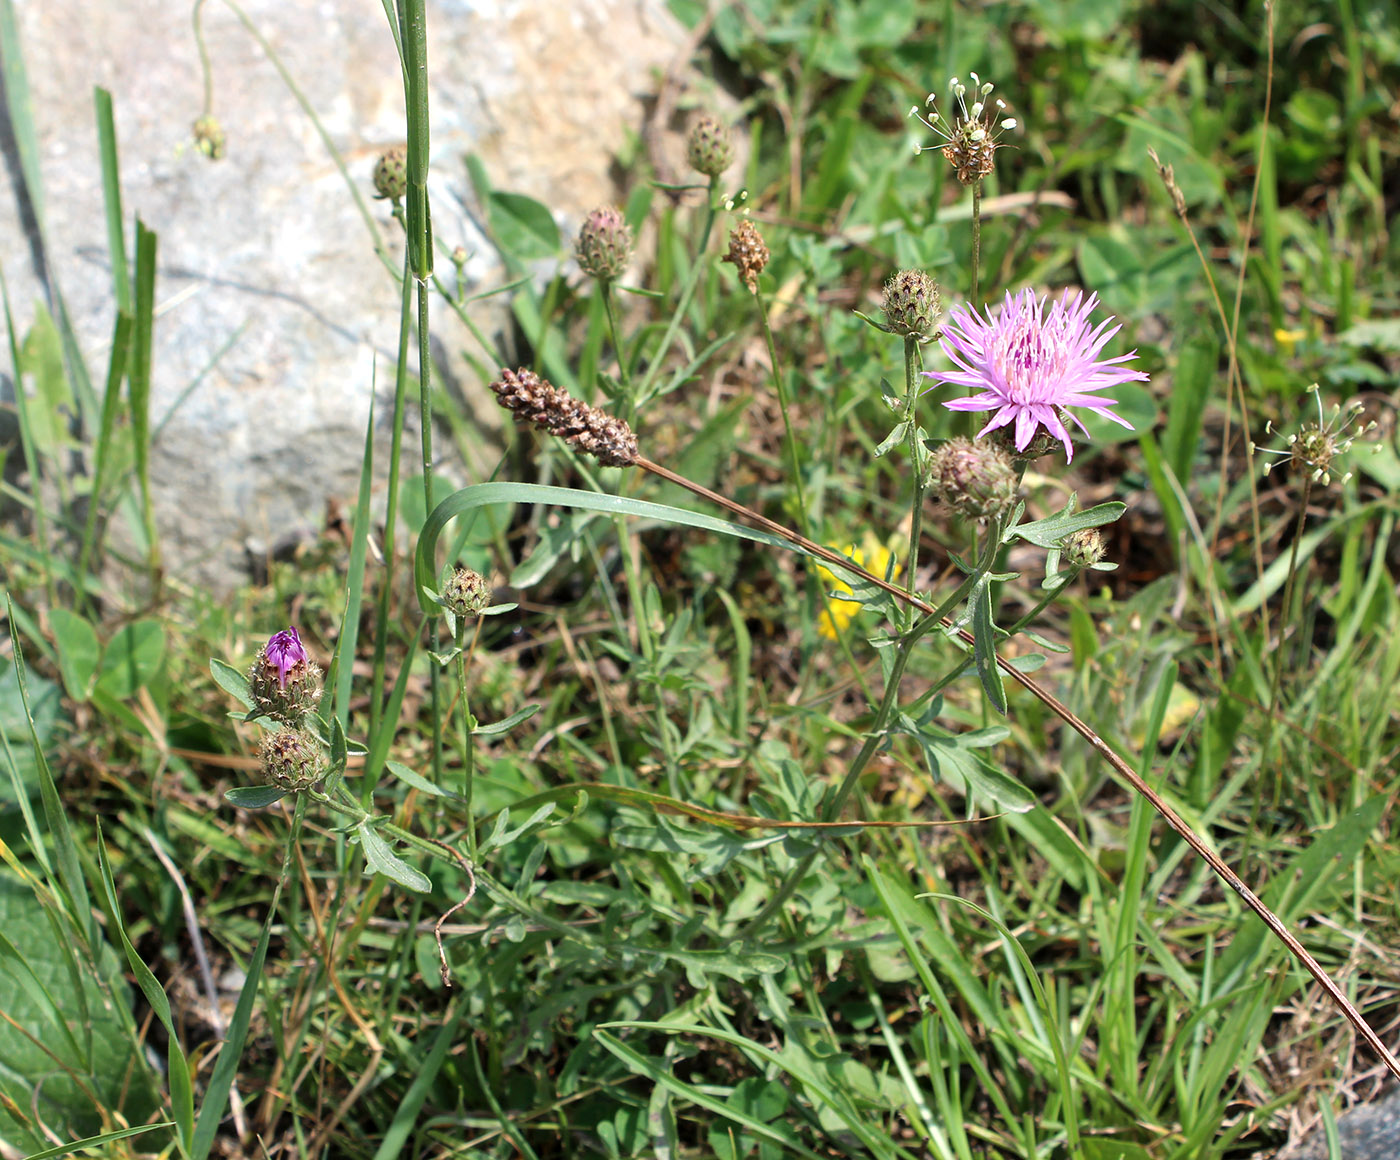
748, 253
534, 400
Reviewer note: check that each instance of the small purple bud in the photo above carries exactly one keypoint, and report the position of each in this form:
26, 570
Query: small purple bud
284, 652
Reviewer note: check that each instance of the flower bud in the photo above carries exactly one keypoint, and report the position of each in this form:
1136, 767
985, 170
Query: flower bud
466, 593
748, 253
284, 682
974, 477
1084, 548
291, 760
391, 174
913, 305
707, 148
604, 244
209, 137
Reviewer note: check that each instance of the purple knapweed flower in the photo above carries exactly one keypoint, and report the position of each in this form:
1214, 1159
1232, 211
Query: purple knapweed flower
284, 652
1032, 362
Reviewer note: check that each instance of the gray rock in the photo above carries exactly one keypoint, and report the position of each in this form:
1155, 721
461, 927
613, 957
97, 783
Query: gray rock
267, 244
1367, 1132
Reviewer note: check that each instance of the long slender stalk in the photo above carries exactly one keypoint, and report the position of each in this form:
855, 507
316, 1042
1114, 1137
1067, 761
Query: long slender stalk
976, 243
683, 302
1118, 764
912, 360
791, 438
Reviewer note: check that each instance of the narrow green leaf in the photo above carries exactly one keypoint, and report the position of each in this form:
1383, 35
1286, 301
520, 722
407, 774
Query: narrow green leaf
487, 494
112, 199
211, 1112
506, 724
254, 797
139, 380
1197, 371
232, 681
346, 643
409, 777
1048, 533
65, 849
984, 648
381, 859
177, 1066
97, 1141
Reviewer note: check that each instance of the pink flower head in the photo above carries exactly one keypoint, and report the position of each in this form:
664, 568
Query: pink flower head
1033, 362
284, 652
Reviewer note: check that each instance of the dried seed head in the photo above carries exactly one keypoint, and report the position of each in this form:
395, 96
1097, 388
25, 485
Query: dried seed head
748, 253
913, 305
1169, 180
975, 477
608, 439
391, 174
1084, 548
291, 760
466, 593
209, 137
973, 136
707, 148
604, 244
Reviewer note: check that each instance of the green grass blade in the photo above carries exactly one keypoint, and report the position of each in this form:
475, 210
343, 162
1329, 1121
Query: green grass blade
425, 1076
641, 1065
354, 582
112, 199
486, 494
177, 1066
97, 1141
111, 405
216, 1095
26, 442
70, 871
140, 380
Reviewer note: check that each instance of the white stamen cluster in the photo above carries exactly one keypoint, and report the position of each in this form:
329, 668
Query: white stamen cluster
971, 124
1318, 444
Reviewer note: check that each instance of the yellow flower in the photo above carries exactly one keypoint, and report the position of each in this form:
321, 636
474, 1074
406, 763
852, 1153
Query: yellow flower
871, 555
1288, 339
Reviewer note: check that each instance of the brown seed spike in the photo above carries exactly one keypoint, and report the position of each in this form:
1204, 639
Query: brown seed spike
530, 398
748, 253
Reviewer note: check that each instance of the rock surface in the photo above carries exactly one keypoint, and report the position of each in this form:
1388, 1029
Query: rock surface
1367, 1132
267, 247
